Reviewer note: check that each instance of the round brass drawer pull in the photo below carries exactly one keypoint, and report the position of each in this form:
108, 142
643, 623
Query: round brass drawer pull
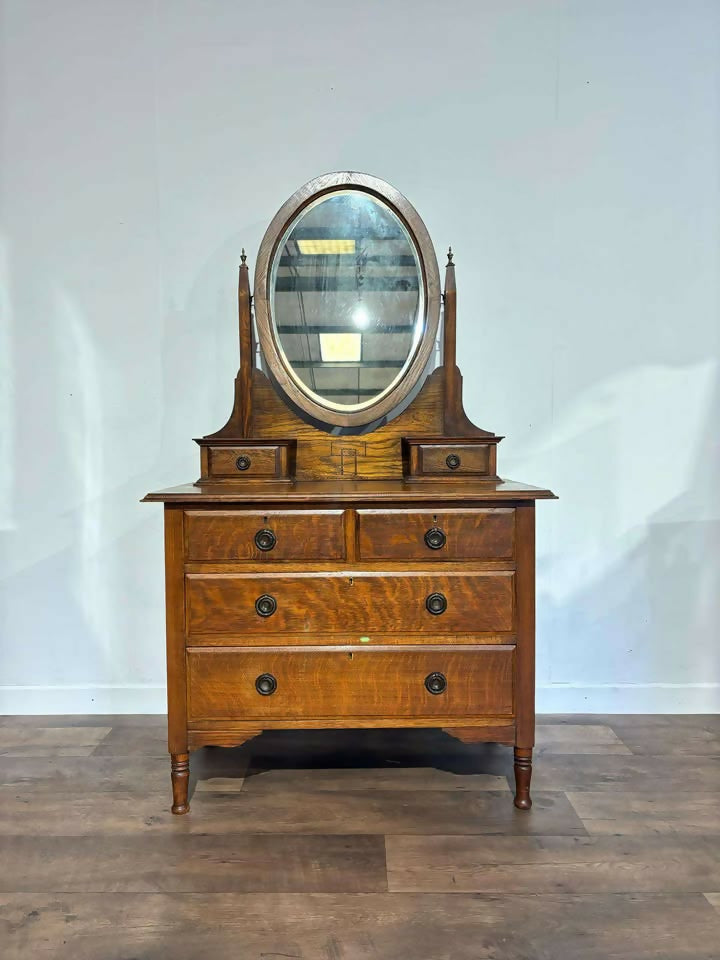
453, 461
243, 462
266, 684
436, 604
265, 539
266, 605
436, 683
435, 538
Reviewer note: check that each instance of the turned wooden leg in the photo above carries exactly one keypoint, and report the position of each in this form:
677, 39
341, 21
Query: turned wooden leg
523, 772
180, 775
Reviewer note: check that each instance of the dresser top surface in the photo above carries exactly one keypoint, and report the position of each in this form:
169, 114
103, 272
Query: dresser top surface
378, 491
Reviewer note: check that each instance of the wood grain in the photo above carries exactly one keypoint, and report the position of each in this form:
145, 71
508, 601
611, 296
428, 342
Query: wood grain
317, 683
345, 926
230, 535
517, 865
400, 534
151, 863
343, 602
21, 741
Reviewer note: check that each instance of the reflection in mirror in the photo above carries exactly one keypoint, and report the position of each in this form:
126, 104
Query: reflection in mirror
347, 299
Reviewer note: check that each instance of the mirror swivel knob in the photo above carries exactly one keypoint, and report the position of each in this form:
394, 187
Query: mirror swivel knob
266, 605
435, 538
436, 604
453, 461
436, 683
265, 539
266, 684
243, 462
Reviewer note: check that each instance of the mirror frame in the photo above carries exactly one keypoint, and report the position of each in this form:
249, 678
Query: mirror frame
387, 401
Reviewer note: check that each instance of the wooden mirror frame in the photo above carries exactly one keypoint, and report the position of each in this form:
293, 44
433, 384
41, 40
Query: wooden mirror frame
388, 401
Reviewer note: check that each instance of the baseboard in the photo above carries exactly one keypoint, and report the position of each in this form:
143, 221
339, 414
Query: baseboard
131, 698
551, 698
628, 698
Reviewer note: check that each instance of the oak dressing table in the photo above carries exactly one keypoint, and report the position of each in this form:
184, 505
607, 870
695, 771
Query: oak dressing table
349, 556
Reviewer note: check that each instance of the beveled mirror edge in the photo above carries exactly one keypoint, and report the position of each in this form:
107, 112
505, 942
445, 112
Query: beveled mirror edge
271, 350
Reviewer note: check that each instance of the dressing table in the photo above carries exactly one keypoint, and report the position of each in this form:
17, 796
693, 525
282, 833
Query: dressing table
349, 556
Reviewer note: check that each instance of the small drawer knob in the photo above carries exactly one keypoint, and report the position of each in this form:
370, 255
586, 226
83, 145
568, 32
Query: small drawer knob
436, 604
243, 462
266, 605
453, 461
436, 683
266, 684
435, 538
265, 539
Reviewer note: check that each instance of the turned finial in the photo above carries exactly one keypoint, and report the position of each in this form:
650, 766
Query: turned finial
450, 258
243, 255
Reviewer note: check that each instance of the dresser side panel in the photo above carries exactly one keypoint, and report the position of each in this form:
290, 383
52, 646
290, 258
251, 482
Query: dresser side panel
175, 629
525, 607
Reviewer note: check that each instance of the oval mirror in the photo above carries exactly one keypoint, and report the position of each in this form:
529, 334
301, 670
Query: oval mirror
347, 299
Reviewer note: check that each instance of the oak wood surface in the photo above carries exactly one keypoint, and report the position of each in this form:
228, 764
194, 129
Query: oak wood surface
230, 535
263, 461
400, 534
363, 602
316, 683
323, 492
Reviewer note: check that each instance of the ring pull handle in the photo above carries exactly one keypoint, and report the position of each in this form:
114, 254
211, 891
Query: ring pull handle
435, 538
453, 461
436, 683
265, 540
243, 462
266, 605
266, 684
436, 604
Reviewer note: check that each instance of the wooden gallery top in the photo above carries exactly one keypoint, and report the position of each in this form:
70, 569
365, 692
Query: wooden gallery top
349, 556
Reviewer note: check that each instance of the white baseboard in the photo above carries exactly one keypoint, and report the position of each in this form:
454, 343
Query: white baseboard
628, 698
131, 698
551, 698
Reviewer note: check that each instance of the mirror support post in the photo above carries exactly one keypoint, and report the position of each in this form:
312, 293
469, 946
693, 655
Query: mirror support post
247, 347
452, 398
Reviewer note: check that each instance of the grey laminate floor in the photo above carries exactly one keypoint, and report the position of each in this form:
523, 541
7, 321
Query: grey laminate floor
352, 845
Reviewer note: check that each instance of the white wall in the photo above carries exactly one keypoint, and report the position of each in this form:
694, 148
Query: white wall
570, 152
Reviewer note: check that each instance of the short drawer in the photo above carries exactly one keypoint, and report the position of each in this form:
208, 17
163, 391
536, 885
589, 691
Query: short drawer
446, 535
436, 458
239, 461
264, 535
362, 604
319, 684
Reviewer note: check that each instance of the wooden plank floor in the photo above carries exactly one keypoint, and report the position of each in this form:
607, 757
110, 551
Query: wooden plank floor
361, 845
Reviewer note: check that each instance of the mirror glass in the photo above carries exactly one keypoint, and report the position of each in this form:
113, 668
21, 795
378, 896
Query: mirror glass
347, 299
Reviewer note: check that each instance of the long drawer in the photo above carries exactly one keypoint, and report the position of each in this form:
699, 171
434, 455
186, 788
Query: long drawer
363, 603
487, 534
317, 684
264, 535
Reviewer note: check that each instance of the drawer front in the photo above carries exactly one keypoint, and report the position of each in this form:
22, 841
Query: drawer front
446, 535
244, 461
271, 684
437, 459
258, 535
362, 604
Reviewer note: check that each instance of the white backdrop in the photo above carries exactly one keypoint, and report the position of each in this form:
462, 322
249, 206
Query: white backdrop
569, 151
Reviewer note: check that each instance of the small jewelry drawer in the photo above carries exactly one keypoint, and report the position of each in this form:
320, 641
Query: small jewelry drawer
320, 683
486, 534
247, 460
437, 458
264, 535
